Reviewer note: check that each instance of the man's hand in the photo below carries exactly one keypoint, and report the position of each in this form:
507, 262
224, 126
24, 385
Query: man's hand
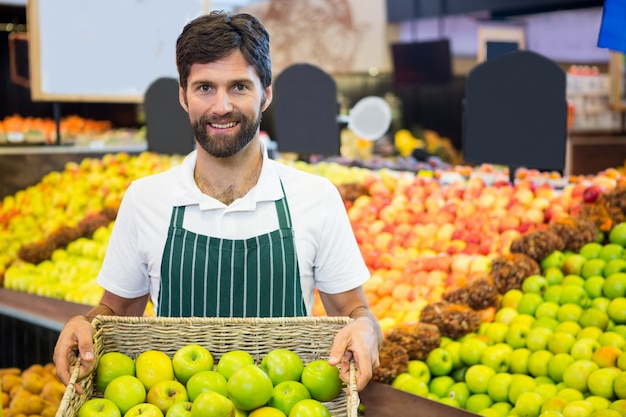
76, 338
357, 341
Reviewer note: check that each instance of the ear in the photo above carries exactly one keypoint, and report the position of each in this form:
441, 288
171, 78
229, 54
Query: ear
182, 98
268, 98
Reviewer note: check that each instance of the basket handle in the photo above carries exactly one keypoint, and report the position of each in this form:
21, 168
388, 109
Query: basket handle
353, 395
70, 390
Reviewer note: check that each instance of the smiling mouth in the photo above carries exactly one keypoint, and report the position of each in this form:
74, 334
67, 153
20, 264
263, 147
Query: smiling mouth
223, 125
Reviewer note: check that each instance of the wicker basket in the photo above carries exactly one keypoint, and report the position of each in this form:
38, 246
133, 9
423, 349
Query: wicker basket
310, 337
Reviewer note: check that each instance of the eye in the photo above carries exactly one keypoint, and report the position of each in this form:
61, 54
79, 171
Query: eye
240, 87
204, 88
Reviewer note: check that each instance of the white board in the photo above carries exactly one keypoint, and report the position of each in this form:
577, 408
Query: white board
104, 50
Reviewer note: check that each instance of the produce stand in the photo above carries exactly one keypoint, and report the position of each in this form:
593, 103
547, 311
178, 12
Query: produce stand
382, 400
30, 325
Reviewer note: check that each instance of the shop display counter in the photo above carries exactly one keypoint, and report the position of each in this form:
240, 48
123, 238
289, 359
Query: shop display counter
382, 400
30, 325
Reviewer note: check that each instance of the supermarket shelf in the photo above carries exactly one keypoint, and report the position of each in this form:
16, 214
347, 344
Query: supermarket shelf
45, 312
382, 400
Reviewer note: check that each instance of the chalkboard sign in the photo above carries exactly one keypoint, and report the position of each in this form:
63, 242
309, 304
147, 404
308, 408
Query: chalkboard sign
104, 50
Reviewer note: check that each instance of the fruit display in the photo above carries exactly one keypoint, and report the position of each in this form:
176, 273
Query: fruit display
195, 383
556, 346
34, 391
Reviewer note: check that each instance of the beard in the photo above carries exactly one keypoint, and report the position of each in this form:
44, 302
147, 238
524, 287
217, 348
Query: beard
224, 145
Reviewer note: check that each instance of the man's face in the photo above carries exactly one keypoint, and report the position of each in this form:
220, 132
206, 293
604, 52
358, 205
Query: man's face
225, 100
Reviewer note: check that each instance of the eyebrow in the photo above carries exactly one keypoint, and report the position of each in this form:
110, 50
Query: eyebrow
248, 82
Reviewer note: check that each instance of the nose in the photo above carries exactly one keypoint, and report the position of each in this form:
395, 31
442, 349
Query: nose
222, 102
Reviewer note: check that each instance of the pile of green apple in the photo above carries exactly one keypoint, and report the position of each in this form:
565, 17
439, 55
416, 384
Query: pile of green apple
556, 348
191, 383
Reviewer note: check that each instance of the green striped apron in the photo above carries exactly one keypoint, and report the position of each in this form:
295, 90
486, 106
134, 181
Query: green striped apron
204, 276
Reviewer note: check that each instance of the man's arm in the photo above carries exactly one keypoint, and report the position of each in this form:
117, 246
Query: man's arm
359, 340
76, 337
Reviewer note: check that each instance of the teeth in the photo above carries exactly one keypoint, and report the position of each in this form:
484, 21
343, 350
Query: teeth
223, 126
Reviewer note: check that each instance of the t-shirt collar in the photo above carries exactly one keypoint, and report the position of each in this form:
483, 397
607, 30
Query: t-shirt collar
267, 188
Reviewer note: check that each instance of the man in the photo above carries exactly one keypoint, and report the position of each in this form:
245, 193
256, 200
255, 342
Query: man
230, 232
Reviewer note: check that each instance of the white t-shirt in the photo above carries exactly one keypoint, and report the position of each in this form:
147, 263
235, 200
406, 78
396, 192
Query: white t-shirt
328, 255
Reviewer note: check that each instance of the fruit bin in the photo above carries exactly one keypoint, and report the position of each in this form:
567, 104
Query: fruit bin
310, 337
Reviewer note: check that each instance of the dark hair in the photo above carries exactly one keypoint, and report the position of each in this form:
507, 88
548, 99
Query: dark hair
211, 37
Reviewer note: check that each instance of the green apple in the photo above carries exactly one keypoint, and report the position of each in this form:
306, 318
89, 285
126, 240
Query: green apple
478, 402
144, 410
182, 409
497, 356
580, 408
511, 298
620, 329
499, 385
538, 362
212, 404
249, 387
560, 343
440, 385
125, 391
617, 235
439, 361
458, 392
619, 386
496, 331
547, 322
590, 332
534, 283
553, 293
519, 360
166, 393
611, 251
502, 407
570, 394
205, 381
573, 264
419, 369
601, 303
189, 360
546, 389
617, 310
569, 312
411, 385
152, 366
321, 379
307, 408
454, 347
571, 279
554, 259
570, 327
593, 267
594, 317
521, 383
584, 348
524, 319
528, 404
614, 285
614, 266
574, 294
529, 302
286, 394
517, 334
590, 250
555, 403
577, 374
477, 378
600, 382
553, 275
450, 402
606, 413
537, 338
471, 350
593, 286
599, 403
282, 365
505, 315
619, 405
611, 338
110, 366
99, 407
232, 360
547, 309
